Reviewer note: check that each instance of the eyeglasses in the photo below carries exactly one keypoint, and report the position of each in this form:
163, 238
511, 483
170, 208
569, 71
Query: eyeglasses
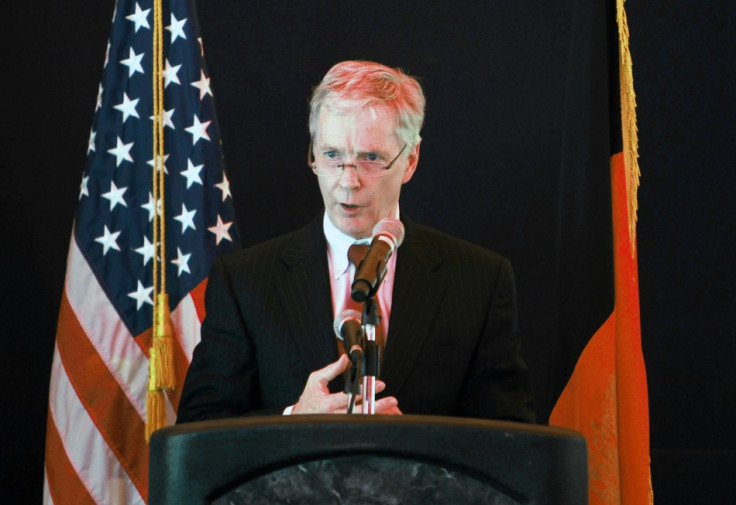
331, 167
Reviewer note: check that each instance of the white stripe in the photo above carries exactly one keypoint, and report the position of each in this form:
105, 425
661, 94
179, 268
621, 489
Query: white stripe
105, 330
186, 326
94, 462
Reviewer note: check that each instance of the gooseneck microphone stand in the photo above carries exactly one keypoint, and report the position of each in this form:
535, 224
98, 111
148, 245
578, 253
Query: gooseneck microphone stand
372, 356
352, 383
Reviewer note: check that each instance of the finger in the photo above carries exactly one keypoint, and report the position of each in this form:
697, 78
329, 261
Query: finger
324, 375
315, 402
389, 405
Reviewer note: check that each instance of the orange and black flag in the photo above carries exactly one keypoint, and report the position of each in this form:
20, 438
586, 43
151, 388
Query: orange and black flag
605, 397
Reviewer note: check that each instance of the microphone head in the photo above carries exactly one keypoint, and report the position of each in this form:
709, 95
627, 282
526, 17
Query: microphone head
344, 316
391, 228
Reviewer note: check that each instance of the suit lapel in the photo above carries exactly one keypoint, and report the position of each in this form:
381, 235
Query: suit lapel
418, 291
304, 288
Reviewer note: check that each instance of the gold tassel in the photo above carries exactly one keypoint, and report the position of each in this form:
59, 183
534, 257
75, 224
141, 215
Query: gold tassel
162, 369
155, 410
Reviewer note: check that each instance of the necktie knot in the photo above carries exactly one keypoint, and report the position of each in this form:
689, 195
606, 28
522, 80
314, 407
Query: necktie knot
357, 252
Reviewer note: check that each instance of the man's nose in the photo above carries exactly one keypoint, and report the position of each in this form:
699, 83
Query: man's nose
349, 178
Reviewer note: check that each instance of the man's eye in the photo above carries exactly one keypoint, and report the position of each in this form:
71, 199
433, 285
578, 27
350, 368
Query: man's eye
371, 157
330, 155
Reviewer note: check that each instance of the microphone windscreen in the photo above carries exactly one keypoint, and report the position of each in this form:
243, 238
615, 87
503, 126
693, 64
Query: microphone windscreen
344, 316
392, 228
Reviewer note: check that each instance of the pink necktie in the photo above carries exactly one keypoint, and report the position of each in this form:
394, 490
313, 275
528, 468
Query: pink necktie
356, 253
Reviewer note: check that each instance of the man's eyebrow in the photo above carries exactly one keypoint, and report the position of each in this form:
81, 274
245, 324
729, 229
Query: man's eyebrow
327, 147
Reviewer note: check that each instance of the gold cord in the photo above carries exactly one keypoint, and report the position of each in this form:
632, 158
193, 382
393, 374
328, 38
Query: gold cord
160, 367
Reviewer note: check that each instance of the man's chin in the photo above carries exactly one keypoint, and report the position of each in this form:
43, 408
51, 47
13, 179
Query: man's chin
354, 227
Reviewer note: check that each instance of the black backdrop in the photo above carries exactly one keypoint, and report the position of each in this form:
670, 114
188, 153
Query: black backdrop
263, 62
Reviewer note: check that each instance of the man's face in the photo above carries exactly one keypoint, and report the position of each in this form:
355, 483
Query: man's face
355, 203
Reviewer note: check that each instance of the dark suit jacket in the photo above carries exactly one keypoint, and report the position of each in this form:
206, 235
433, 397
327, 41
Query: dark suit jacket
452, 345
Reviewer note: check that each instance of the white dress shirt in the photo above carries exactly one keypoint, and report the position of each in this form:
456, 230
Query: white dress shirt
342, 273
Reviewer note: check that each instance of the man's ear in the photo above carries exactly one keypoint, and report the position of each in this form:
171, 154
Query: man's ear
412, 166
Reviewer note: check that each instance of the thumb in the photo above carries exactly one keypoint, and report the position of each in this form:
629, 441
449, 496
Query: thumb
326, 374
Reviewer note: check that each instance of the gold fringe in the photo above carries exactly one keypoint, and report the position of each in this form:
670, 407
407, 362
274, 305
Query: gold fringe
628, 121
156, 417
163, 342
155, 409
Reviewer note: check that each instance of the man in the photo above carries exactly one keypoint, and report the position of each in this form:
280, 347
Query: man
448, 307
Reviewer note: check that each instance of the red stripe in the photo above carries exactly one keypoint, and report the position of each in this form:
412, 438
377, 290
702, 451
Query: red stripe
197, 295
181, 364
64, 483
109, 408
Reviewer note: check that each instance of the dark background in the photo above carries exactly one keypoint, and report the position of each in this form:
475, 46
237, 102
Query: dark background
263, 60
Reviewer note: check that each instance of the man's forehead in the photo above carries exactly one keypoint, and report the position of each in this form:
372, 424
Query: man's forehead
370, 125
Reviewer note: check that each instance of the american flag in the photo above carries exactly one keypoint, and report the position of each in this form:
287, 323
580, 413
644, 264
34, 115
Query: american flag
95, 446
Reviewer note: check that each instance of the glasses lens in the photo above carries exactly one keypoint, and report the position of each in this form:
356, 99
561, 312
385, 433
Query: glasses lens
327, 168
371, 168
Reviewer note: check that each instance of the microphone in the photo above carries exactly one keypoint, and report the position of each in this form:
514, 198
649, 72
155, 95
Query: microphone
388, 234
348, 329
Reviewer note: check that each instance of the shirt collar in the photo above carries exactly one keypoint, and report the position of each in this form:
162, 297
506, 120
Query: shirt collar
338, 244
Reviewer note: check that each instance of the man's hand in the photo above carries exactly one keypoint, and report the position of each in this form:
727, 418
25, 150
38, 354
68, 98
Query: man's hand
316, 397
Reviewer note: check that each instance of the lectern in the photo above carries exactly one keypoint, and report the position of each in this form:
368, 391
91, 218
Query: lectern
358, 459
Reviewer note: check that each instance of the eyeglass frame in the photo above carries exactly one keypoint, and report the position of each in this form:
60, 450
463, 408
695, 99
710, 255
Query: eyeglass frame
311, 163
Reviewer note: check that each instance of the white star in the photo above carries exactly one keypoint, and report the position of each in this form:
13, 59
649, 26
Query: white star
182, 261
142, 295
168, 114
203, 84
186, 218
121, 152
139, 18
108, 241
169, 74
192, 174
91, 141
198, 130
115, 195
176, 28
221, 230
99, 96
133, 63
166, 157
83, 189
127, 107
224, 186
149, 206
146, 250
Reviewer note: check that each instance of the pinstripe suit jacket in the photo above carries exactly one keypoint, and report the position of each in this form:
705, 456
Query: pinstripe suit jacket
452, 349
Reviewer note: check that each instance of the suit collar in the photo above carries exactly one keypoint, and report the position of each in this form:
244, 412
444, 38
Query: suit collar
304, 288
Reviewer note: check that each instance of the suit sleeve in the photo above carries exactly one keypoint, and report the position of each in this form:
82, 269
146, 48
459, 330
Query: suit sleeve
222, 380
498, 382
